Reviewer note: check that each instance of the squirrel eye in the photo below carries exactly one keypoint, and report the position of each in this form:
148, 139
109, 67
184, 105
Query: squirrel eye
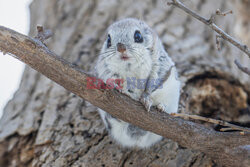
108, 41
138, 37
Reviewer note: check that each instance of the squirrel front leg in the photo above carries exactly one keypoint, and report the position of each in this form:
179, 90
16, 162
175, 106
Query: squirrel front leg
151, 87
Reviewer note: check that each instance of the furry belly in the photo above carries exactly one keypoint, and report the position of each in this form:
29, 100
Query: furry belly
133, 75
129, 84
127, 134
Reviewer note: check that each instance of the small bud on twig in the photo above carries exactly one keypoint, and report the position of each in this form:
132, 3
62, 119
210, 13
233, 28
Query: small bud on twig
218, 12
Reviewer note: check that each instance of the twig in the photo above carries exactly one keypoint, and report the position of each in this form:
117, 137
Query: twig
218, 12
227, 129
188, 134
211, 24
241, 67
213, 121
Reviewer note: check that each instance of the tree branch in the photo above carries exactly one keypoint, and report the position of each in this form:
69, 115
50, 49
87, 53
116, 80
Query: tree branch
224, 147
242, 68
211, 24
210, 120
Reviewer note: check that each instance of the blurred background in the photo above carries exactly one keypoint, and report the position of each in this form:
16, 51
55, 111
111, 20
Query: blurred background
14, 15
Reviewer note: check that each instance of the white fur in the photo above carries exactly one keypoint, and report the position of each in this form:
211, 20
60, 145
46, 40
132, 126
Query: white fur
168, 96
119, 133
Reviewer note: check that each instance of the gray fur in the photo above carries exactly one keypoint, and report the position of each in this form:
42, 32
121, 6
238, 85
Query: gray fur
135, 132
109, 127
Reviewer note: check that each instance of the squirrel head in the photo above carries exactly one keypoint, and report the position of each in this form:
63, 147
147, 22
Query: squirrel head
130, 40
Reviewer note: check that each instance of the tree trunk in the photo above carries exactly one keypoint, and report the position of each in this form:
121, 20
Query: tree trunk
45, 125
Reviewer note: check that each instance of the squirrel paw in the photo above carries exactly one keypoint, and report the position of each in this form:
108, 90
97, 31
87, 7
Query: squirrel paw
161, 107
146, 101
118, 88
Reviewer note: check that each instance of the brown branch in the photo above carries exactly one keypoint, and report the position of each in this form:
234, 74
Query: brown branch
211, 24
241, 67
213, 121
227, 148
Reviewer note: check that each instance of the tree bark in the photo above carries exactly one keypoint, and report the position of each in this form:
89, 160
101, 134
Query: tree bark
44, 125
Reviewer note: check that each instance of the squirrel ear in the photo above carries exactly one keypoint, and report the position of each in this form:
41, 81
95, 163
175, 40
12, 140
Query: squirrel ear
149, 32
155, 39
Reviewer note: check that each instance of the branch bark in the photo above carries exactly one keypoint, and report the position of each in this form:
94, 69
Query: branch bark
227, 148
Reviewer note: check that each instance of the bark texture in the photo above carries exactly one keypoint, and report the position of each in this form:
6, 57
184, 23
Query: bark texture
44, 125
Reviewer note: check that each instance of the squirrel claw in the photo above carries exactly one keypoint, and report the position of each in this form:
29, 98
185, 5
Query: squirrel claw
118, 88
161, 108
146, 101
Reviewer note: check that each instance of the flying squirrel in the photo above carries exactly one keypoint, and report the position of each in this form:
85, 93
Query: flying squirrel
134, 53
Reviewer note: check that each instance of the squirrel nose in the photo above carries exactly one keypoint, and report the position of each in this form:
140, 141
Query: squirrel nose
121, 47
